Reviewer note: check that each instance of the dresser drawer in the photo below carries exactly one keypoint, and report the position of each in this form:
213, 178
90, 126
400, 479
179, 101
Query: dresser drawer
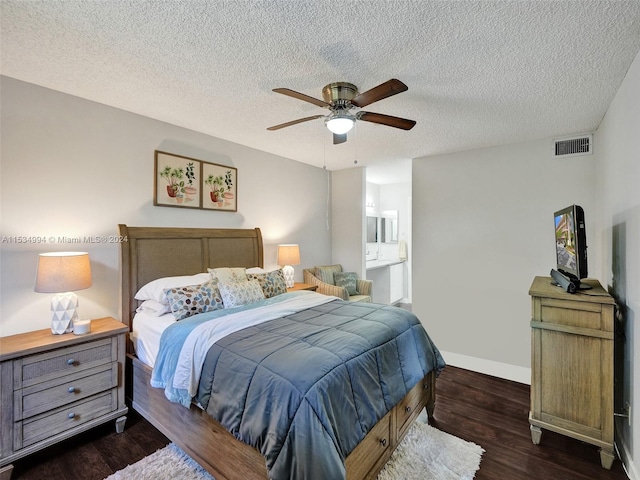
34, 369
573, 314
62, 419
410, 406
54, 393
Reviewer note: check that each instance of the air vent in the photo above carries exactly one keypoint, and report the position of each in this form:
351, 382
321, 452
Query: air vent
574, 146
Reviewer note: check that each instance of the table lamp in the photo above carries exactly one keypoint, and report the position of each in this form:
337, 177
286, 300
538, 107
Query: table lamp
288, 254
62, 273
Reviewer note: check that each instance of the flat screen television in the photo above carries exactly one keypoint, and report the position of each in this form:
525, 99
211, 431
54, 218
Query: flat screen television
571, 246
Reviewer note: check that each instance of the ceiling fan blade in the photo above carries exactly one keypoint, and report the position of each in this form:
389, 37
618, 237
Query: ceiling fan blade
294, 122
388, 120
301, 96
337, 139
384, 90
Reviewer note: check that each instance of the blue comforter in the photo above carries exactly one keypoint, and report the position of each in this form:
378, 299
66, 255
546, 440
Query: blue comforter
306, 388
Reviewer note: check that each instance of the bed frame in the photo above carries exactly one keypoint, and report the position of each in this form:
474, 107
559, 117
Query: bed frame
154, 252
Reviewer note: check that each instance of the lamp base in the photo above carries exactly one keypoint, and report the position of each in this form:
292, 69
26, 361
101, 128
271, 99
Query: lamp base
64, 310
288, 272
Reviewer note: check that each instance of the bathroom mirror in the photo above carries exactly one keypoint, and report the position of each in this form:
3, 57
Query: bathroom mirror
389, 226
372, 229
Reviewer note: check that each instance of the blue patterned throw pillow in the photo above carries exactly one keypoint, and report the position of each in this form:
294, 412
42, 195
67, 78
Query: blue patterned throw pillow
193, 299
272, 283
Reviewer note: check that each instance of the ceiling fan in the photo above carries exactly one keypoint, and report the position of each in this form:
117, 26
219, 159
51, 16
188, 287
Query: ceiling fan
341, 98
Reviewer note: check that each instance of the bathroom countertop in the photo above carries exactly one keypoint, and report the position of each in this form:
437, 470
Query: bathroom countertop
371, 264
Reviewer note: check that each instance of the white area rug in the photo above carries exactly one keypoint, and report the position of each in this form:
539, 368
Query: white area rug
426, 453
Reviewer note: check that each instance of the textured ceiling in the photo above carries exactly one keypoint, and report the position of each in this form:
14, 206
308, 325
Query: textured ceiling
479, 73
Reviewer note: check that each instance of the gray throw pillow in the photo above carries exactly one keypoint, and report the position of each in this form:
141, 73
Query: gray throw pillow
348, 280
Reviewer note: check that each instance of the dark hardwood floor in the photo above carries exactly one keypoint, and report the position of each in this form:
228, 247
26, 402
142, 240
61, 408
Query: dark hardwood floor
485, 410
93, 455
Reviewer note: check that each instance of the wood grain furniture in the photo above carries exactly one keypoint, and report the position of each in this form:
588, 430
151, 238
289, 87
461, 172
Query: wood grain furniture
302, 286
56, 386
572, 364
152, 253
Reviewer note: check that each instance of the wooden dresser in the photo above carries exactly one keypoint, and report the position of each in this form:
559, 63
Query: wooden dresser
572, 364
56, 386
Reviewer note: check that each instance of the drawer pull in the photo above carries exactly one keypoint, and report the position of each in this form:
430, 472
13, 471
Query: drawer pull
383, 442
71, 361
71, 416
71, 389
408, 409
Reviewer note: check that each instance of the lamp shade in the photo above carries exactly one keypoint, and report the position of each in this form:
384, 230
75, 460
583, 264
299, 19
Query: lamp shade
63, 272
288, 254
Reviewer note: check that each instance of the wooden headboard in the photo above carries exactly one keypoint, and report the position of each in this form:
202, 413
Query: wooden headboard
155, 252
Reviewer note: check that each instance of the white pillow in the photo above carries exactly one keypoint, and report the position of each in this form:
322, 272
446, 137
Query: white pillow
241, 293
151, 307
228, 275
255, 270
154, 290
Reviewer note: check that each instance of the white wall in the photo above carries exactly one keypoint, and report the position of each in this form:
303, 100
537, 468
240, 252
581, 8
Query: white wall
617, 153
348, 223
372, 209
71, 167
482, 229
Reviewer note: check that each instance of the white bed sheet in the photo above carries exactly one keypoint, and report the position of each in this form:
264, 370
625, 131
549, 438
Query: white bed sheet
147, 330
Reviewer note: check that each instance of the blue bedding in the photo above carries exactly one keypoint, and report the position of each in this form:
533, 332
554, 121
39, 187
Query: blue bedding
306, 388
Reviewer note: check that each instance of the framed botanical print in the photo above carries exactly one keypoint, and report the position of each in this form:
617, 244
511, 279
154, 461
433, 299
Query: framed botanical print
186, 182
219, 187
177, 181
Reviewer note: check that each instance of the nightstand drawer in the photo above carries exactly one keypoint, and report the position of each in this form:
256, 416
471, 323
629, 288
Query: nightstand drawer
34, 369
48, 395
62, 419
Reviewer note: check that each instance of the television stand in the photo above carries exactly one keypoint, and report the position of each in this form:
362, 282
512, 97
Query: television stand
569, 284
572, 365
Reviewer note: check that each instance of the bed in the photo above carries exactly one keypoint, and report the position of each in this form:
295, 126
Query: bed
150, 253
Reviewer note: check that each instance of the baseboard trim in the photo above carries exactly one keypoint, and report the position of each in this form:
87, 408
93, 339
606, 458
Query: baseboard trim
625, 456
489, 367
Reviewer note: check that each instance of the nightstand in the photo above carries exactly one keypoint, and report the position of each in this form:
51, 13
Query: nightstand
302, 286
56, 386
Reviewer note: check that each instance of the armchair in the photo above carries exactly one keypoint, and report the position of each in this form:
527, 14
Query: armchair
322, 278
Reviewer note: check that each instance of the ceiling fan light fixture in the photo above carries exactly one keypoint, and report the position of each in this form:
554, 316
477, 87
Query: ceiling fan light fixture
340, 98
340, 124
